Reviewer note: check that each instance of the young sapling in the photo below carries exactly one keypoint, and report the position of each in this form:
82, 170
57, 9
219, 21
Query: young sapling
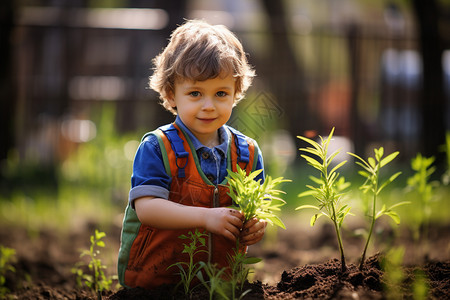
7, 257
254, 199
239, 271
188, 270
420, 182
330, 188
394, 275
373, 185
97, 280
214, 281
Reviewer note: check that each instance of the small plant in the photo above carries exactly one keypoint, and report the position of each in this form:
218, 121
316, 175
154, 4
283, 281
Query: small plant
239, 271
188, 270
7, 257
393, 272
214, 282
420, 182
373, 185
255, 199
420, 287
329, 190
97, 280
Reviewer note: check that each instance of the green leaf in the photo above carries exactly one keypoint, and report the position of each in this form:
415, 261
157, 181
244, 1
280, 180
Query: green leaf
311, 151
379, 153
312, 161
394, 216
366, 167
307, 206
362, 160
251, 260
316, 180
338, 166
309, 141
314, 219
388, 159
372, 162
398, 204
253, 174
332, 156
277, 221
391, 179
381, 212
306, 193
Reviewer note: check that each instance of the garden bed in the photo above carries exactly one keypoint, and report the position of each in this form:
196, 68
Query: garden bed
300, 266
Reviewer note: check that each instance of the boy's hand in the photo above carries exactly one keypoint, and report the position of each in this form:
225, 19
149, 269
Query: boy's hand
227, 222
253, 231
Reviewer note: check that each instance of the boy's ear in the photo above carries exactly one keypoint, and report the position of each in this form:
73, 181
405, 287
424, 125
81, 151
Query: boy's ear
170, 98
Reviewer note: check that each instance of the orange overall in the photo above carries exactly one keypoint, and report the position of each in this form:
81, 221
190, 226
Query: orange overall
146, 252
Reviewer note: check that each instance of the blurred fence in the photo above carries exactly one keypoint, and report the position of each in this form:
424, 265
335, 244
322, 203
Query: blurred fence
362, 79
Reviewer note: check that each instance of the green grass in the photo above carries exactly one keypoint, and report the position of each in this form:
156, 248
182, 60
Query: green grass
91, 185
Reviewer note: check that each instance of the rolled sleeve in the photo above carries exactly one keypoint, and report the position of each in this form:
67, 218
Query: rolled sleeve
149, 176
147, 190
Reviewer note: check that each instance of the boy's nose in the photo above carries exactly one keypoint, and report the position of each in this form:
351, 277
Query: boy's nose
208, 104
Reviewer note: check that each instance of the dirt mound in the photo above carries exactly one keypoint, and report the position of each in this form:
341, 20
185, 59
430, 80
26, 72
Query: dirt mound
321, 281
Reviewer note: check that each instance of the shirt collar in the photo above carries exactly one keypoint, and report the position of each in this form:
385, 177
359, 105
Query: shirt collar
224, 138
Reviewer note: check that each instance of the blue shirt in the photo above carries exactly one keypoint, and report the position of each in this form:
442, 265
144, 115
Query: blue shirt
149, 177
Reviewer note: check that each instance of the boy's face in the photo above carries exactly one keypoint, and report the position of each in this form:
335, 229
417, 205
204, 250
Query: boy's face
204, 106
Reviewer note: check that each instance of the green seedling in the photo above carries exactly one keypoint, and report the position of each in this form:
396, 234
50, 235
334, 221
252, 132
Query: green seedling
239, 271
420, 182
96, 280
214, 281
393, 272
330, 188
188, 270
420, 287
373, 185
7, 257
254, 199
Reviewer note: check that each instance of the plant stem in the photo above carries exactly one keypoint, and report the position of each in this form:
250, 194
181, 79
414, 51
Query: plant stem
336, 225
338, 234
363, 257
375, 192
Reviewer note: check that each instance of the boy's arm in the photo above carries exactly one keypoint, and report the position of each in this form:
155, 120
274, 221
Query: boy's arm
164, 214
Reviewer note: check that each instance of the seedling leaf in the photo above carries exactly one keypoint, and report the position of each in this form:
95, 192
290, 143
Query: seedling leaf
307, 206
388, 159
329, 189
255, 199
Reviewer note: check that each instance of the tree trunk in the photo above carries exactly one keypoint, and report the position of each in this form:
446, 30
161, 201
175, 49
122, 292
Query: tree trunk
7, 99
432, 100
283, 73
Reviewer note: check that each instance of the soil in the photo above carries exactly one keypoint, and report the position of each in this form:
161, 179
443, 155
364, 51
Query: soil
298, 263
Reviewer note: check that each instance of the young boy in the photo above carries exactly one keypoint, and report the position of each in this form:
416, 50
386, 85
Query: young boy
178, 180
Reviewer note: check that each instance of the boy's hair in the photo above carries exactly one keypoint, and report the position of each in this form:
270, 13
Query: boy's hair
199, 51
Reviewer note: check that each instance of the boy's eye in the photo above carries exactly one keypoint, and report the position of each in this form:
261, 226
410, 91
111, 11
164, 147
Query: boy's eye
194, 94
221, 94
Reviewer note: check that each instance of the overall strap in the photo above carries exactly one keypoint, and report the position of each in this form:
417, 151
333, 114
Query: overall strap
243, 152
177, 145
